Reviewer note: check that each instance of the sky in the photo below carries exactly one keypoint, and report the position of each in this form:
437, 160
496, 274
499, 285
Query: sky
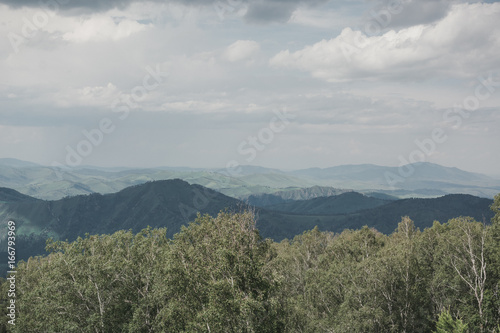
287, 84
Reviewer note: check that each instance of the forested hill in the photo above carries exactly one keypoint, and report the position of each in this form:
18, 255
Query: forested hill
173, 203
10, 195
423, 211
333, 205
168, 203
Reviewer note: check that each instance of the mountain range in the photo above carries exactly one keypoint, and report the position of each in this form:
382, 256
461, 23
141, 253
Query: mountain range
173, 203
250, 182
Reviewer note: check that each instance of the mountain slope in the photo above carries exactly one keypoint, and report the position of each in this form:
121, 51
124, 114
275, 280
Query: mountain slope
158, 204
173, 203
383, 218
10, 195
421, 177
422, 211
287, 195
12, 162
333, 205
420, 171
424, 180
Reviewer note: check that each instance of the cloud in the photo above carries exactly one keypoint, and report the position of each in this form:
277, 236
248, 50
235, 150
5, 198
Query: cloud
197, 106
280, 11
69, 6
463, 44
98, 96
264, 12
241, 50
258, 11
405, 13
101, 28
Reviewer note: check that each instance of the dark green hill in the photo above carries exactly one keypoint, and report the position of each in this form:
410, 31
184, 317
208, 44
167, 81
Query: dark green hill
292, 194
10, 195
169, 203
173, 203
333, 205
422, 211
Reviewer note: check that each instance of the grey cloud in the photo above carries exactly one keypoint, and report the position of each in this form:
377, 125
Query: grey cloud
279, 11
265, 12
396, 14
70, 6
259, 11
421, 12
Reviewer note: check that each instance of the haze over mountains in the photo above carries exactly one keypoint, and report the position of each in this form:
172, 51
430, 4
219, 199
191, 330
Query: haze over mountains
415, 180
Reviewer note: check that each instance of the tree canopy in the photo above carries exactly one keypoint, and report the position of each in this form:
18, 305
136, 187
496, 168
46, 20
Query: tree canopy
219, 275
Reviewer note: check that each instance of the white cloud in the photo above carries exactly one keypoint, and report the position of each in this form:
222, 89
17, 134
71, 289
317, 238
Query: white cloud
98, 96
101, 28
321, 18
241, 50
463, 44
197, 106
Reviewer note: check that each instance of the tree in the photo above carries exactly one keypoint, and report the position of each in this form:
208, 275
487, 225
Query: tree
492, 249
95, 284
216, 279
353, 282
446, 324
462, 268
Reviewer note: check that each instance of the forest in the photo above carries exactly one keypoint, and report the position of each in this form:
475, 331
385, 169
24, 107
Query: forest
219, 275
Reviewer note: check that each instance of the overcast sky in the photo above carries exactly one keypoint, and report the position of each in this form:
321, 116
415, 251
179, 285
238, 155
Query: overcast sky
287, 84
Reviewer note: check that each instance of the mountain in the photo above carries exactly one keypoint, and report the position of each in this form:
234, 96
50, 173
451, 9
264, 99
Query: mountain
423, 211
169, 203
173, 203
10, 195
244, 170
15, 163
384, 218
292, 194
416, 180
349, 202
421, 171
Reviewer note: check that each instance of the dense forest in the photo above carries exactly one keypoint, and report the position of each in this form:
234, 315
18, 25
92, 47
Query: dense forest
219, 275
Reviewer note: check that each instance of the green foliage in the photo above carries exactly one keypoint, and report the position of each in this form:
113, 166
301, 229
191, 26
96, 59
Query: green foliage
446, 324
211, 277
3, 305
218, 275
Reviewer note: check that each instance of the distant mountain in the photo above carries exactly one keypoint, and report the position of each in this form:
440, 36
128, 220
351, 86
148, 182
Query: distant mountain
292, 194
53, 183
425, 180
423, 176
361, 172
422, 171
244, 170
12, 162
334, 205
